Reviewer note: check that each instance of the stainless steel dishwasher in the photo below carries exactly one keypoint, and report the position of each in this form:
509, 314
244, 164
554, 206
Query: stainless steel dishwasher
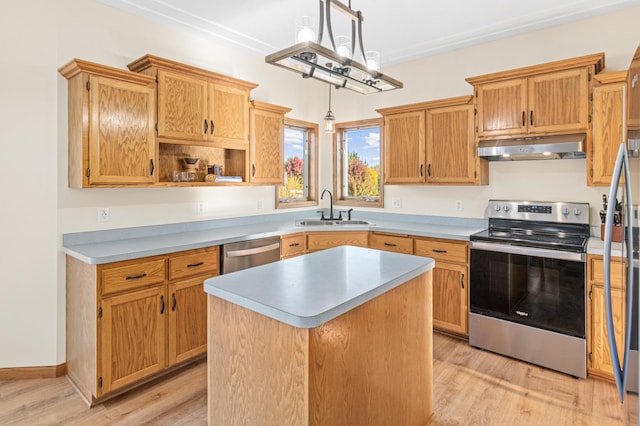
245, 254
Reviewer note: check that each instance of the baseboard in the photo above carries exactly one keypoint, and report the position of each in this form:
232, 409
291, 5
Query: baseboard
19, 373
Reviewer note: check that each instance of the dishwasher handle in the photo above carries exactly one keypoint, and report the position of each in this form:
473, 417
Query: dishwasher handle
252, 251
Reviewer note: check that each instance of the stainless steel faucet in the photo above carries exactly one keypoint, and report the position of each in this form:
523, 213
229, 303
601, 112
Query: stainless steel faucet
330, 206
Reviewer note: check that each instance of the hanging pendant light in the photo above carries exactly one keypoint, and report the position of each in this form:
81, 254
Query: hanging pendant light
329, 118
337, 63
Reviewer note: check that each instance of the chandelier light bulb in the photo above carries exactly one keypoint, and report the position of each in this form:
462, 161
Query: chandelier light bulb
373, 60
343, 46
305, 29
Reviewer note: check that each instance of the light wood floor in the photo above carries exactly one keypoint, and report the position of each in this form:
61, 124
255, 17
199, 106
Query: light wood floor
471, 387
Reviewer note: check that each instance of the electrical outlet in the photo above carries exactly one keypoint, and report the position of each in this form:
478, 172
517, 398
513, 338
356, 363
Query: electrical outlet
459, 205
103, 214
396, 203
201, 209
260, 205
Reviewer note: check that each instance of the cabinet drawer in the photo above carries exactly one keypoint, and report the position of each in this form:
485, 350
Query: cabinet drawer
450, 251
194, 262
129, 275
388, 242
292, 245
324, 240
618, 273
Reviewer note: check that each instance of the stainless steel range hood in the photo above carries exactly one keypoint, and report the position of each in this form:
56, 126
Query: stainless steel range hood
537, 148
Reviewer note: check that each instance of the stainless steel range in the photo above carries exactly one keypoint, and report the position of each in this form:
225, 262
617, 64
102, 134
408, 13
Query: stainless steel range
527, 283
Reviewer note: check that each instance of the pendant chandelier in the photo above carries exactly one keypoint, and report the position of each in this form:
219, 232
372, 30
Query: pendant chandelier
329, 118
336, 65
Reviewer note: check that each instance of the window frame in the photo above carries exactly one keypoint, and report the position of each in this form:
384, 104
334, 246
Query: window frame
312, 173
338, 138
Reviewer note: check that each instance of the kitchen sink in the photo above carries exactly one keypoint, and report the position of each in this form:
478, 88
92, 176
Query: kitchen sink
318, 222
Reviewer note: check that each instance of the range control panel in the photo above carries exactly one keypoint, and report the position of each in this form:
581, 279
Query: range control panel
551, 211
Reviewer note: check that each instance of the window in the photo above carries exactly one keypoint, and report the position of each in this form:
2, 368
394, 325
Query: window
300, 165
358, 163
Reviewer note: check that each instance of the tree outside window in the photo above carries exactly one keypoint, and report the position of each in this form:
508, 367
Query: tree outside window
358, 160
300, 165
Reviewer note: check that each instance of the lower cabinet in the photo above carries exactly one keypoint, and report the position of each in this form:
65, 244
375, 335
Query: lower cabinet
391, 242
450, 283
293, 245
132, 320
599, 361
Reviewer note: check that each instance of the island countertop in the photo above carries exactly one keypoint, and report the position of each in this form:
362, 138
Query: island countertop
309, 290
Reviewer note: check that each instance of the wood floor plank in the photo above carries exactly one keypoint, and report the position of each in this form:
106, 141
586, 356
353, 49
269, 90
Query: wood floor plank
471, 387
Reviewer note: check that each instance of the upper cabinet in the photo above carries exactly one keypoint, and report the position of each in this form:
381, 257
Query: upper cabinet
196, 105
267, 143
111, 126
608, 131
432, 142
551, 98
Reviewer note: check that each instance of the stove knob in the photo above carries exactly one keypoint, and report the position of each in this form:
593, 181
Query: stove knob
497, 208
505, 208
576, 211
565, 211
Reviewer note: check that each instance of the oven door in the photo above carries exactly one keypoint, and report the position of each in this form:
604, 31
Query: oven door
530, 286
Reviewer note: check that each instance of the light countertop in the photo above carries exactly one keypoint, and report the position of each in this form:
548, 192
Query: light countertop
307, 291
99, 247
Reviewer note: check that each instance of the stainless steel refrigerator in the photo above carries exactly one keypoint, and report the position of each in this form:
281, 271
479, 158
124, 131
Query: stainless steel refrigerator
624, 195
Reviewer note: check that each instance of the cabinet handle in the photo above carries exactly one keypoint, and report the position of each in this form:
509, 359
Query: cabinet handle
253, 170
523, 115
173, 306
136, 277
438, 251
206, 126
195, 265
462, 280
390, 245
162, 308
213, 127
153, 167
531, 118
429, 170
294, 244
421, 166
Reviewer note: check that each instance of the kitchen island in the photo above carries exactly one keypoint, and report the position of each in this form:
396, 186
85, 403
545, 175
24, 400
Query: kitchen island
341, 336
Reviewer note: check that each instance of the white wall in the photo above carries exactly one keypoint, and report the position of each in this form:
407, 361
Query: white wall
40, 35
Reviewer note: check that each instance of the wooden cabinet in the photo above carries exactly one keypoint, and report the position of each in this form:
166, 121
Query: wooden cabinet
599, 360
200, 114
292, 245
404, 147
391, 242
452, 157
131, 320
324, 240
608, 132
267, 143
450, 283
432, 142
550, 98
111, 126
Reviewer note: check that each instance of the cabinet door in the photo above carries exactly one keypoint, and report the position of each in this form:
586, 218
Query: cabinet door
600, 359
607, 133
559, 101
266, 149
121, 137
450, 295
451, 153
187, 306
182, 107
229, 116
502, 107
404, 148
132, 335
292, 245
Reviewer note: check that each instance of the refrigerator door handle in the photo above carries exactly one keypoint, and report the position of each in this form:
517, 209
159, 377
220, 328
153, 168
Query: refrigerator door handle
620, 372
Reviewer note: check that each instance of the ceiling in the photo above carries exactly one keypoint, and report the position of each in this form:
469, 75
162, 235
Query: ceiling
402, 30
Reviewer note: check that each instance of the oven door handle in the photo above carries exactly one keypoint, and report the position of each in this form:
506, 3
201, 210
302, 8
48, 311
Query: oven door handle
620, 372
528, 251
